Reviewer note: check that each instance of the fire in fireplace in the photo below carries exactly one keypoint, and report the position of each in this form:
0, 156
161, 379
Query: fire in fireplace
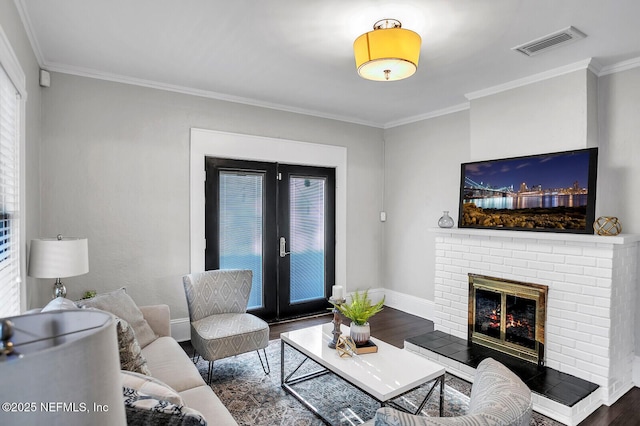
508, 316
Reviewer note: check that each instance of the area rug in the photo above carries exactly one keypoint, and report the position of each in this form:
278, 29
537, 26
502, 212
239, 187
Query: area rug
254, 398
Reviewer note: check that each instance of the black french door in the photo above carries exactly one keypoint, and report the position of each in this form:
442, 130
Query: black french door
279, 221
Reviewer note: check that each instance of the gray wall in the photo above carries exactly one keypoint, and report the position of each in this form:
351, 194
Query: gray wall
422, 179
545, 116
619, 129
115, 168
13, 29
618, 166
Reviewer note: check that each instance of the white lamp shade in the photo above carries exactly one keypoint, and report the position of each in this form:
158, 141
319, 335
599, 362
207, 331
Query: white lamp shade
69, 357
58, 258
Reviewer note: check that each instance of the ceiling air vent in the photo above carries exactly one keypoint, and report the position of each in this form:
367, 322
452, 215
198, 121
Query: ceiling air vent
551, 41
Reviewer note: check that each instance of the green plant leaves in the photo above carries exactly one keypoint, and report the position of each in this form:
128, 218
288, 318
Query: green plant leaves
360, 309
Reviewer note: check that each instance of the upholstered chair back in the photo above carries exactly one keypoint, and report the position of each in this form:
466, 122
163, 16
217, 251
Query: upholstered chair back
499, 395
221, 291
498, 398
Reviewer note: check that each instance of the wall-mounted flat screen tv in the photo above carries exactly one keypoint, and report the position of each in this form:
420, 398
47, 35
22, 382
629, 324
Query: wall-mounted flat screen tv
549, 192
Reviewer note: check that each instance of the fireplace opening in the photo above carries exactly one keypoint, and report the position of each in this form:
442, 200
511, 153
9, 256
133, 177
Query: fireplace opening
508, 316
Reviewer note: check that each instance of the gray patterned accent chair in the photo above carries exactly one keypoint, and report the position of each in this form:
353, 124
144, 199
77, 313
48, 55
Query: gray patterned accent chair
220, 324
498, 398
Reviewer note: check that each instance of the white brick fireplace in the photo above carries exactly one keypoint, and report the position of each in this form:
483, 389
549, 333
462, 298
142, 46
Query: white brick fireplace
591, 300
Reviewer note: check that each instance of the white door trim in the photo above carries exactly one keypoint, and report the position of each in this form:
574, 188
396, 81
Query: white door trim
210, 143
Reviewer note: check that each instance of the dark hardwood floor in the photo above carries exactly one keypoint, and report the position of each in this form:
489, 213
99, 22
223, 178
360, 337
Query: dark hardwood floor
394, 326
390, 325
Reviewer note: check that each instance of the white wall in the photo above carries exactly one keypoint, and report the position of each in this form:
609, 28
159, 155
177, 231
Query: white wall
115, 168
618, 167
422, 179
12, 26
619, 170
546, 116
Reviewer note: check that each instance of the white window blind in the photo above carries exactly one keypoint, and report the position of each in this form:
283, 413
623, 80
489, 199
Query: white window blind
9, 197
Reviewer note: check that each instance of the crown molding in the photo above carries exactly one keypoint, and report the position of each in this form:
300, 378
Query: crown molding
620, 66
590, 63
429, 115
28, 28
99, 75
556, 72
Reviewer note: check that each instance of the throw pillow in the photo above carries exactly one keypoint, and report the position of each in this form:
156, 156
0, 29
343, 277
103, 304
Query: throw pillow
120, 304
143, 409
150, 386
58, 304
131, 357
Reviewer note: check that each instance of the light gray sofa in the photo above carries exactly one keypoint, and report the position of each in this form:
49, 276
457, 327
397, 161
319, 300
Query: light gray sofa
169, 363
160, 383
498, 398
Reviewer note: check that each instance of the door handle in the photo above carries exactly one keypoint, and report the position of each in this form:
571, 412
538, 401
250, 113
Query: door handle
283, 247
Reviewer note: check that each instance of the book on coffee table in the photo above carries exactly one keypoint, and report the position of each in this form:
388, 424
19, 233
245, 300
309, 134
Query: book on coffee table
367, 347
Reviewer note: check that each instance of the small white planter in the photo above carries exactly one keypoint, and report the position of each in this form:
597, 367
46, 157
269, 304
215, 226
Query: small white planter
360, 333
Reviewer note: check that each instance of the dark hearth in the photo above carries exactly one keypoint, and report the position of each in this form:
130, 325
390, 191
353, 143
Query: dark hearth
552, 384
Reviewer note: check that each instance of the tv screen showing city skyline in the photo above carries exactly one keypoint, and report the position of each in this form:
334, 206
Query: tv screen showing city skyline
549, 171
549, 192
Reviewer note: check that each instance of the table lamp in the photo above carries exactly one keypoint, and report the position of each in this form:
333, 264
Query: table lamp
57, 258
63, 368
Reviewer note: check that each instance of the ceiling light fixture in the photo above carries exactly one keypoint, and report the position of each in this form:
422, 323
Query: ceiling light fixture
387, 53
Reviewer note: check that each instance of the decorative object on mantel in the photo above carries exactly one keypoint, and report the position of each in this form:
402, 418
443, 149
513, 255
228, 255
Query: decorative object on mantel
346, 347
607, 226
57, 258
445, 221
359, 310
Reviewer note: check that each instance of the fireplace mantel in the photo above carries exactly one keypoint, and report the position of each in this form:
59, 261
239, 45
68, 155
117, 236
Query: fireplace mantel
544, 236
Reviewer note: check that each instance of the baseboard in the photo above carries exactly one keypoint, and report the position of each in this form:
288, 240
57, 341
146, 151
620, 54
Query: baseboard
410, 304
413, 305
181, 329
375, 294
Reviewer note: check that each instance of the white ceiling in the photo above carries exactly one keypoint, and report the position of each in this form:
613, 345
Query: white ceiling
297, 55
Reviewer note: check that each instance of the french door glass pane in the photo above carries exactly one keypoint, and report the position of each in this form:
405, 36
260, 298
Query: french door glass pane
307, 235
241, 227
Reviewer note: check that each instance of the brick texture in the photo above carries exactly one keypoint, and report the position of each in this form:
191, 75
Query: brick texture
590, 306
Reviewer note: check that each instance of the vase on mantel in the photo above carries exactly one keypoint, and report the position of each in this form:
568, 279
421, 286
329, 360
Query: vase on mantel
360, 333
445, 221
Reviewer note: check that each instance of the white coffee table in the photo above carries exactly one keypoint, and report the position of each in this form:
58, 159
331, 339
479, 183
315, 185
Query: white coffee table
385, 375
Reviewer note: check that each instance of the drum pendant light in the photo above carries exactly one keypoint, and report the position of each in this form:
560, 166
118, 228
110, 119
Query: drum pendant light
387, 53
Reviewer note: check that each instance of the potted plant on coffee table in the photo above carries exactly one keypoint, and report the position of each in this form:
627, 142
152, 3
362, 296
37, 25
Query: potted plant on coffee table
359, 310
